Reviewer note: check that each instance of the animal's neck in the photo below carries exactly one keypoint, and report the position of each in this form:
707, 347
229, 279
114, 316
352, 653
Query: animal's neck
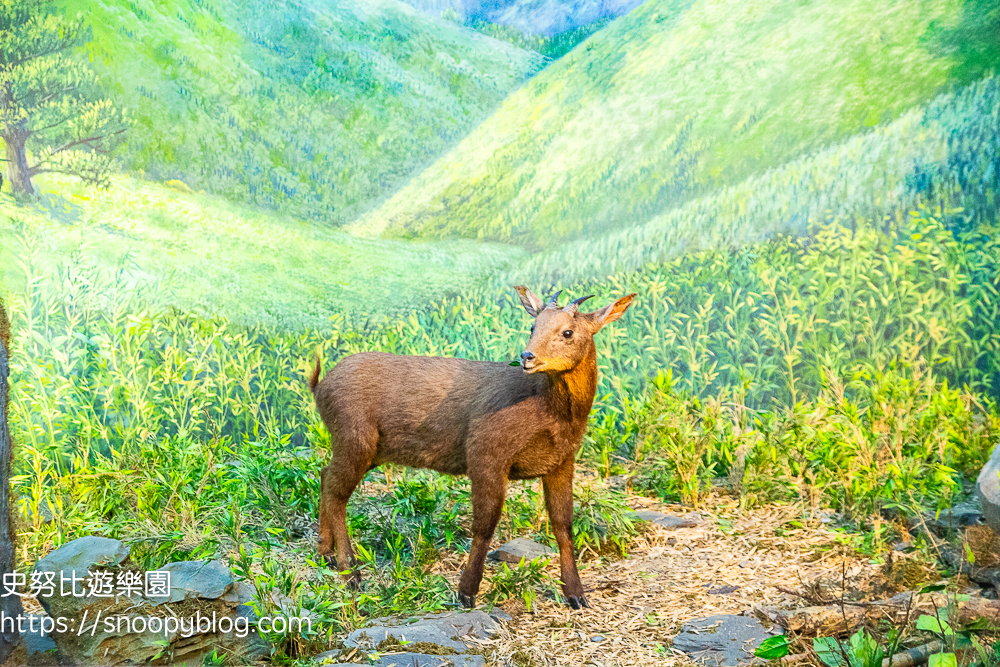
570, 394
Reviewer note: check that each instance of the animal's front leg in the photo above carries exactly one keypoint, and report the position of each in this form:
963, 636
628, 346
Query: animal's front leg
558, 486
488, 494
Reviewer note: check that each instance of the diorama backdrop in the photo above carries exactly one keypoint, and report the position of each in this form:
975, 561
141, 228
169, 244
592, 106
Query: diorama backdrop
201, 194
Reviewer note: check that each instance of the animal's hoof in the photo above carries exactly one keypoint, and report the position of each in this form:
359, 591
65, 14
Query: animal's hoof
468, 601
578, 602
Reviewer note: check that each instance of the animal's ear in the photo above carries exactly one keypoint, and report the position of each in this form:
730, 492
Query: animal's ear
611, 312
531, 303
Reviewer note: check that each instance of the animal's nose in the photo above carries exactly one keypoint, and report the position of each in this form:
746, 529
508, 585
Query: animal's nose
527, 356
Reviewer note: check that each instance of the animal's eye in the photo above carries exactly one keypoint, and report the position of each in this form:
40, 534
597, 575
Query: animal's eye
567, 334
532, 328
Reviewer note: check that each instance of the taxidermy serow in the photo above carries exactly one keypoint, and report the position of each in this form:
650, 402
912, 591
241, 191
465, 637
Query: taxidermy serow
491, 421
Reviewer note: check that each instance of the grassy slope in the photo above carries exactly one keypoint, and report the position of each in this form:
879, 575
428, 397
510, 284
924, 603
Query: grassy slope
207, 255
945, 152
677, 99
316, 108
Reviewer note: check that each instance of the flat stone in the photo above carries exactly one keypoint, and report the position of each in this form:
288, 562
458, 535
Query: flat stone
723, 640
330, 658
988, 490
475, 623
521, 548
668, 521
77, 558
723, 590
369, 638
406, 659
424, 660
209, 580
444, 629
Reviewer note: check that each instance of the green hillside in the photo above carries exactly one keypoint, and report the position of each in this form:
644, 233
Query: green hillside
314, 108
677, 99
946, 153
166, 246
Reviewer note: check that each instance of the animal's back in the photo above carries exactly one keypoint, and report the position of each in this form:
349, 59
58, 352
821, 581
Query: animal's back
419, 406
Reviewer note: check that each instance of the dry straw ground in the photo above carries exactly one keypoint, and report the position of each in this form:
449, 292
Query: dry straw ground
639, 604
734, 562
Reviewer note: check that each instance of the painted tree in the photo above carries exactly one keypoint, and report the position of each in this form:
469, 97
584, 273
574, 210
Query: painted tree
52, 115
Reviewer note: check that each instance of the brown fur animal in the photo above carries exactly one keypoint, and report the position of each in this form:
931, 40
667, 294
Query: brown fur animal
491, 421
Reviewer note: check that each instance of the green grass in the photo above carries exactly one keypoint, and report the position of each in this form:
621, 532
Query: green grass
894, 440
315, 108
773, 322
205, 255
822, 369
676, 100
944, 153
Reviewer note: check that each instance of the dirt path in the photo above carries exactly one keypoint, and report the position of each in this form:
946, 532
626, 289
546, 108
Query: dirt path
733, 562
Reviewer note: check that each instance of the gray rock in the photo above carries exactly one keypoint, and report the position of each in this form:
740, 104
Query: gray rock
406, 659
955, 517
424, 660
241, 592
988, 490
43, 511
475, 623
369, 638
77, 559
500, 615
410, 660
669, 521
197, 579
330, 658
987, 576
723, 590
722, 640
984, 576
445, 629
521, 548
36, 642
204, 590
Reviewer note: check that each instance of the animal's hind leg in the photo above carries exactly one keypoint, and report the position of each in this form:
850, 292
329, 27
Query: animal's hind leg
352, 457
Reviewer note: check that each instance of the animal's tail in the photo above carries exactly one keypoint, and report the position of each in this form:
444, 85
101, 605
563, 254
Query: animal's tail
314, 378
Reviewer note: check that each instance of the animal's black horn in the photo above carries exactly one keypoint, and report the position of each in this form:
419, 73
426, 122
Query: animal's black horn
573, 305
552, 301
